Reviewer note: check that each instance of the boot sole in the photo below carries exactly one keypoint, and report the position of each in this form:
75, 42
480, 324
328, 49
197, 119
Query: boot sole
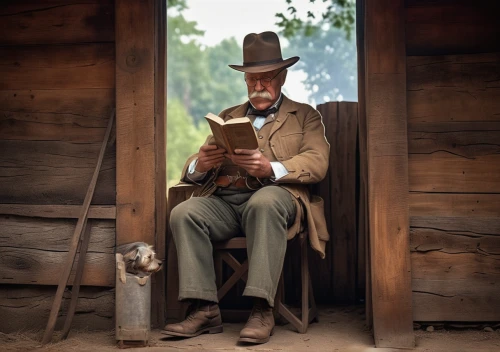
251, 340
209, 330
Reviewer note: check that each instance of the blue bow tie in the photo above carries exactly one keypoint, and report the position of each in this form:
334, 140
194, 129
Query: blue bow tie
253, 111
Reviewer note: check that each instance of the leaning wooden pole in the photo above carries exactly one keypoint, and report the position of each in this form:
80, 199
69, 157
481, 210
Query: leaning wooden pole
387, 156
66, 270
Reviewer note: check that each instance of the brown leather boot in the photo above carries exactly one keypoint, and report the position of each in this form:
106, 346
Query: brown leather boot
260, 325
204, 318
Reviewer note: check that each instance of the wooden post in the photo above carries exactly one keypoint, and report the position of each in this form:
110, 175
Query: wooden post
140, 145
158, 289
387, 148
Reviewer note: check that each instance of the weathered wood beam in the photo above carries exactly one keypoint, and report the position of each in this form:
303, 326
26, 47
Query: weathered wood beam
135, 121
159, 286
58, 211
388, 173
57, 22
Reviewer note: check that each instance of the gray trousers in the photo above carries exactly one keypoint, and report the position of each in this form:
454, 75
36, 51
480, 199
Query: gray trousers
263, 216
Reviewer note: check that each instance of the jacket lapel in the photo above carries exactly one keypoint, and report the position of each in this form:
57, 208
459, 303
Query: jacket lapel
240, 111
287, 106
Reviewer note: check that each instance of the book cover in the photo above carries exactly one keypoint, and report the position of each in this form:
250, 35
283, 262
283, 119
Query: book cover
237, 133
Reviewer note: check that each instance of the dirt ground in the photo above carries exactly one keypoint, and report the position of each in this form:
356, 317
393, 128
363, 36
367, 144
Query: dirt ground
339, 329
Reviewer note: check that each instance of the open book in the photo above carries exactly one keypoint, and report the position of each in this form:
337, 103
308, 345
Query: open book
237, 133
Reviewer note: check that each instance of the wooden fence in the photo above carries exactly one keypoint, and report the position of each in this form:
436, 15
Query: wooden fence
340, 277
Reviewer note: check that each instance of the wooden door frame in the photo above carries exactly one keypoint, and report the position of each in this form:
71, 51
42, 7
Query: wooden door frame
383, 126
140, 132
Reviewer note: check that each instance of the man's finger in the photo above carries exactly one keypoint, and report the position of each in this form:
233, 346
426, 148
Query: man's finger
246, 151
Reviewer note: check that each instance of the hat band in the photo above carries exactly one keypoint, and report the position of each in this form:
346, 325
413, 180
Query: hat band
261, 63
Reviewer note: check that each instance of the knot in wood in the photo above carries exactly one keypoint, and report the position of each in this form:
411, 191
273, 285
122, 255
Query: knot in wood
132, 60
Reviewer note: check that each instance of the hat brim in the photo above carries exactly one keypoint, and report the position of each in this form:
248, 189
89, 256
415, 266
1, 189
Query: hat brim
266, 68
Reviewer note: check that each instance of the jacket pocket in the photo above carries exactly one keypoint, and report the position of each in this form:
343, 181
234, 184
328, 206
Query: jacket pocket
291, 143
317, 207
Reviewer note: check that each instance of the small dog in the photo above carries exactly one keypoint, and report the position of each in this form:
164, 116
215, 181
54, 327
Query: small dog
140, 258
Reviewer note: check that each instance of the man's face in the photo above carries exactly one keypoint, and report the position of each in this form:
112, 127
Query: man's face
263, 97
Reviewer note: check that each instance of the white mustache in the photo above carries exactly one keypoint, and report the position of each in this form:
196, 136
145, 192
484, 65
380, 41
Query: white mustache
264, 94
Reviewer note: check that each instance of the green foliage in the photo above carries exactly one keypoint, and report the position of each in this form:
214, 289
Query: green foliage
198, 81
330, 62
338, 13
184, 138
198, 76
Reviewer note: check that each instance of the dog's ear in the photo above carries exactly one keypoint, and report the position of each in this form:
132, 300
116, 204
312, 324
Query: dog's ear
137, 254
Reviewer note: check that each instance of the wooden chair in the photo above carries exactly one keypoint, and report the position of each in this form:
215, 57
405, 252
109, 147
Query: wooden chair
222, 254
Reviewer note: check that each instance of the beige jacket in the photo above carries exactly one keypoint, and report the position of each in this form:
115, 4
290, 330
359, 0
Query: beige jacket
296, 138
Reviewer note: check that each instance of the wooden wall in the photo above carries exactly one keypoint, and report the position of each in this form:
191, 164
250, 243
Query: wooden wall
453, 94
57, 90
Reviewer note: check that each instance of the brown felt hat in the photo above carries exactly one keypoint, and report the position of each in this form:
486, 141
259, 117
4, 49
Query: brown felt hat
262, 53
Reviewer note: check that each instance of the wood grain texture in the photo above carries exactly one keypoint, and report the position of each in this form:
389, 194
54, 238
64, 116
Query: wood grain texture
73, 115
444, 172
25, 259
174, 309
453, 88
57, 66
54, 173
364, 270
342, 138
452, 27
322, 279
159, 281
58, 211
27, 308
387, 150
456, 284
455, 205
56, 22
135, 129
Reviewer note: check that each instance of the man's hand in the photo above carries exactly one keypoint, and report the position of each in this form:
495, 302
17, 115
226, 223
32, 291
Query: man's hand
208, 157
253, 161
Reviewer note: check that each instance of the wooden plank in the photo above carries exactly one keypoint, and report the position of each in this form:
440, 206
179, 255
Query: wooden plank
455, 205
484, 225
453, 88
343, 207
21, 232
159, 281
387, 173
322, 279
58, 211
451, 285
174, 309
39, 267
445, 172
135, 129
363, 274
73, 115
27, 308
464, 139
56, 22
58, 66
452, 27
427, 240
54, 172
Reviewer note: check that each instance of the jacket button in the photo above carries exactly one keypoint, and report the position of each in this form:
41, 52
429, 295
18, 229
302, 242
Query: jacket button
260, 137
262, 150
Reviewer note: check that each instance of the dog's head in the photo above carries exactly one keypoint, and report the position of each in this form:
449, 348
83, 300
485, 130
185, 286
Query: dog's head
140, 258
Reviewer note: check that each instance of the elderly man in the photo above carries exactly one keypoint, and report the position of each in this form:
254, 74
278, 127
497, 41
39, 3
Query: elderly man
267, 198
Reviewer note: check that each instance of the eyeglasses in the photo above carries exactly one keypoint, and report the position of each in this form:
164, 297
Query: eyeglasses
266, 81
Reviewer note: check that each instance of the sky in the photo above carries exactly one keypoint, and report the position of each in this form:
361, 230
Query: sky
222, 19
